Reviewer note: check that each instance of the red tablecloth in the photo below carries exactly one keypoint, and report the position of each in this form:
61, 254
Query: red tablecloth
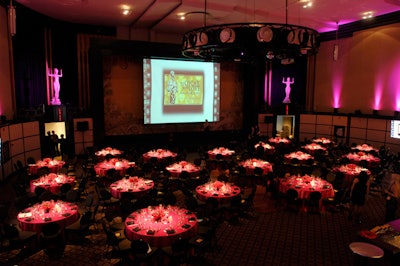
278, 140
268, 149
222, 191
350, 171
176, 169
160, 226
160, 154
101, 154
52, 182
305, 185
225, 152
33, 218
312, 147
323, 141
135, 185
301, 156
119, 165
364, 148
53, 165
251, 164
357, 157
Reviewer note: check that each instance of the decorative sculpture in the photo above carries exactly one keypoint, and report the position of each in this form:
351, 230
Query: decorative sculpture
288, 82
56, 86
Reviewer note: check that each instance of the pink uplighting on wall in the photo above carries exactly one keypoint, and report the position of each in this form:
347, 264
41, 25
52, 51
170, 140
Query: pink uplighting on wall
376, 105
394, 86
337, 89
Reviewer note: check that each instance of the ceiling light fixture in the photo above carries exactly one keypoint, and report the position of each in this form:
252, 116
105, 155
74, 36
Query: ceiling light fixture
249, 41
12, 19
367, 15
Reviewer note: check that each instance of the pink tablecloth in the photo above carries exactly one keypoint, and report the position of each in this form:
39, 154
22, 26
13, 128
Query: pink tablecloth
225, 152
119, 165
301, 156
53, 165
222, 191
159, 154
52, 182
101, 154
268, 149
33, 218
176, 169
312, 147
278, 140
357, 157
305, 185
136, 186
160, 226
251, 164
350, 171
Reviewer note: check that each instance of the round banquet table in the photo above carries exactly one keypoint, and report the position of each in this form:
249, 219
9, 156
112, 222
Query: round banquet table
357, 157
225, 152
313, 147
52, 182
323, 141
301, 156
277, 140
119, 165
305, 185
53, 165
160, 226
222, 191
101, 154
268, 149
135, 185
159, 154
350, 171
33, 218
251, 164
177, 168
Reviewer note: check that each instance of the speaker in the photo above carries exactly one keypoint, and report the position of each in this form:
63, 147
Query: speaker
82, 125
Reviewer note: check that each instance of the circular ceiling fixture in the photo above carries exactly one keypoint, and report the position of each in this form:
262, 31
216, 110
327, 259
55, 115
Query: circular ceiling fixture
252, 41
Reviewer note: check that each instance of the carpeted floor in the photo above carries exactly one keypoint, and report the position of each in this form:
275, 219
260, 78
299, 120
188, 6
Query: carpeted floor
271, 235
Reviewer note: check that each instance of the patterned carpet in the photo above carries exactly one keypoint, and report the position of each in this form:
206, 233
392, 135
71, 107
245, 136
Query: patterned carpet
271, 235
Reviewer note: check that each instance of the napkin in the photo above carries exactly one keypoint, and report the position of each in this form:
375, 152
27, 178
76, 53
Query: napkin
186, 226
131, 216
47, 219
136, 229
28, 219
150, 232
141, 188
130, 223
66, 214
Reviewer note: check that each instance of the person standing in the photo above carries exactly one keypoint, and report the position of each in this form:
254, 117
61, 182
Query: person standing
392, 198
63, 145
358, 195
54, 138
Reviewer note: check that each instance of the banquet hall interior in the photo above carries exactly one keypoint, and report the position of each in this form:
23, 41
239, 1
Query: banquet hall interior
142, 141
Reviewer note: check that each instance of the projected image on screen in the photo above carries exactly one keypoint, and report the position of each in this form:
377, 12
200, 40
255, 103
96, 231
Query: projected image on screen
395, 129
180, 91
183, 91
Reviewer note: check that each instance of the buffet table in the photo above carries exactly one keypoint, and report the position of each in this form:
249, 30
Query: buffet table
119, 165
160, 226
52, 182
222, 191
225, 152
53, 165
177, 168
133, 184
33, 218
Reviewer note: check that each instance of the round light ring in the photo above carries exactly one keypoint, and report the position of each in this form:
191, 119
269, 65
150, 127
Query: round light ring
303, 36
265, 34
201, 38
291, 36
227, 35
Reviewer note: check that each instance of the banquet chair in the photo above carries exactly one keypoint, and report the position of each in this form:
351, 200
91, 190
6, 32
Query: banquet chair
313, 202
177, 253
18, 239
64, 190
44, 170
77, 231
292, 200
141, 252
52, 241
120, 246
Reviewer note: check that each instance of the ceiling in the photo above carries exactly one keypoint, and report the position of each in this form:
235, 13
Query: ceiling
162, 15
